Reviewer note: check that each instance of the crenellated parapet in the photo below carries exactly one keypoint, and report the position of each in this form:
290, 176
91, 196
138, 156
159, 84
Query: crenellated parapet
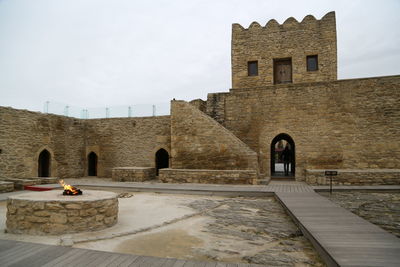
293, 41
308, 22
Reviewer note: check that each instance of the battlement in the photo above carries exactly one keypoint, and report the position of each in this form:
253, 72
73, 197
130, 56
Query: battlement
291, 23
290, 52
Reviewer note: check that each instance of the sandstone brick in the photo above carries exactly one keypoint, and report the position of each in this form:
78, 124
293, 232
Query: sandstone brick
73, 206
35, 219
58, 218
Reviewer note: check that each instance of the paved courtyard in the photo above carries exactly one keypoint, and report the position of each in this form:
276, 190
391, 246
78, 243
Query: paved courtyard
216, 224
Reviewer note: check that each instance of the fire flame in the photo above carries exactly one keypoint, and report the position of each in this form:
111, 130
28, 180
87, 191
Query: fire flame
70, 188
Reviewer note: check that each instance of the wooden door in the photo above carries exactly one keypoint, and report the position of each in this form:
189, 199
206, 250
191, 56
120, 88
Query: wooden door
282, 71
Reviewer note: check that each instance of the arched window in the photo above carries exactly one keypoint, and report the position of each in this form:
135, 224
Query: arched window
44, 164
162, 159
92, 164
283, 160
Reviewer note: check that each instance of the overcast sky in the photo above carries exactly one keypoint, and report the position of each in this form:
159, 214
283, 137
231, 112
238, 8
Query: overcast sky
93, 53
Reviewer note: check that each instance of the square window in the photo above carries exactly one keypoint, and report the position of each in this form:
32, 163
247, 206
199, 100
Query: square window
252, 68
312, 63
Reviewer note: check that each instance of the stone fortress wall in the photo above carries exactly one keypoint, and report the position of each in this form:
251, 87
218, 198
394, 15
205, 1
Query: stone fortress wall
121, 142
344, 124
290, 40
116, 142
24, 134
334, 124
199, 142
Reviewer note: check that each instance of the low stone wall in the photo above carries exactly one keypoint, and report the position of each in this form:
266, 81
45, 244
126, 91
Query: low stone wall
51, 213
208, 176
133, 174
20, 183
6, 186
355, 177
46, 180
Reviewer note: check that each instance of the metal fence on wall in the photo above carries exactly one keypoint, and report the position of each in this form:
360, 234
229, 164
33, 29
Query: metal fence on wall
140, 110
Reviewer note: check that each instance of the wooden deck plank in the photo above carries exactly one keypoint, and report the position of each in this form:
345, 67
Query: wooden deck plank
40, 258
31, 252
149, 261
104, 260
121, 259
65, 259
179, 263
211, 264
139, 261
339, 235
74, 260
20, 250
85, 259
6, 245
129, 260
169, 262
15, 248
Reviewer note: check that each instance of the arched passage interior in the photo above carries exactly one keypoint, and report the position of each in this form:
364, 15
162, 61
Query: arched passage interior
44, 164
92, 164
162, 159
278, 145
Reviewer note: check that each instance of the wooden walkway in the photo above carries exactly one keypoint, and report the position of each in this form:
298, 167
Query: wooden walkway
22, 254
339, 236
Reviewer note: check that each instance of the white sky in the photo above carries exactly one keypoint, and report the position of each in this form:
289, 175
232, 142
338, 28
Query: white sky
96, 53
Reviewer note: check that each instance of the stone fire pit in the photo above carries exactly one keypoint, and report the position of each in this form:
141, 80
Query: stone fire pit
52, 213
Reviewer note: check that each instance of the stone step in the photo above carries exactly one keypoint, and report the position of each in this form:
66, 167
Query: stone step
263, 181
6, 186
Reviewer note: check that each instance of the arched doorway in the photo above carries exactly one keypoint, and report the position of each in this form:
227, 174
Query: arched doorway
92, 164
278, 146
162, 159
44, 164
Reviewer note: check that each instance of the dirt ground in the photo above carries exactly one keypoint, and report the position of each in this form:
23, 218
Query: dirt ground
208, 228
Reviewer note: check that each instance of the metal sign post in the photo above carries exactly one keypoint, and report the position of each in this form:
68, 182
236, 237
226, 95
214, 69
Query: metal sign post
330, 174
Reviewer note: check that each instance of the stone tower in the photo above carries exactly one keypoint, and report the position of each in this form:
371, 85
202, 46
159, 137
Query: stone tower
293, 52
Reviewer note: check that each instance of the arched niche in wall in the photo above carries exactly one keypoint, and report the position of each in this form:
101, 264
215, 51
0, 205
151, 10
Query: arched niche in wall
92, 164
44, 164
162, 159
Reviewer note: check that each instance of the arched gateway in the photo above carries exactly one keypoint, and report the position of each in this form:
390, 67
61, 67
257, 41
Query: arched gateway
278, 145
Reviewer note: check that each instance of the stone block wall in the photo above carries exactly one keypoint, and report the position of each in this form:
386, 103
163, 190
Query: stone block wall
216, 106
355, 177
199, 142
288, 40
126, 141
133, 174
120, 141
200, 104
6, 186
345, 124
24, 134
208, 176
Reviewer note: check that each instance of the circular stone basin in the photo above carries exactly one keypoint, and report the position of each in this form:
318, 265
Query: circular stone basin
52, 213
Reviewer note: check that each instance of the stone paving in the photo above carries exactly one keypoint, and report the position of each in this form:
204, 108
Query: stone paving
379, 208
255, 224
